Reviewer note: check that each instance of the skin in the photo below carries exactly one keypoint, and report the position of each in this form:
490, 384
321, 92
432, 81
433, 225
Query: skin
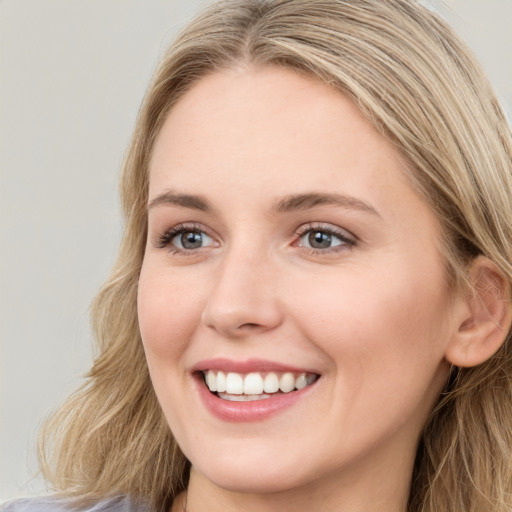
371, 315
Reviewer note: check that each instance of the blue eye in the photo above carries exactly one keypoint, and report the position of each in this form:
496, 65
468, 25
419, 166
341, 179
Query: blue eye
190, 240
320, 240
323, 239
184, 238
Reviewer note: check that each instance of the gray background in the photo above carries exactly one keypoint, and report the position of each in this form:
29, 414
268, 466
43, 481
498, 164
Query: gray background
72, 75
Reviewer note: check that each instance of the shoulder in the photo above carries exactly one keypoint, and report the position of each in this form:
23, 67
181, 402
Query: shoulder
51, 504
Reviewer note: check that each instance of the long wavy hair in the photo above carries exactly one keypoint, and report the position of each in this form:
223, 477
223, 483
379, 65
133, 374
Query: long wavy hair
421, 88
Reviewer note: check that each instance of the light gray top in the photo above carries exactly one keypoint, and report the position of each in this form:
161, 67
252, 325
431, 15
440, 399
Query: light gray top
51, 504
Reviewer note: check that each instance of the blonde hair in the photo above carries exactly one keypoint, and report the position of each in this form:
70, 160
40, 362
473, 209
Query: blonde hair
419, 85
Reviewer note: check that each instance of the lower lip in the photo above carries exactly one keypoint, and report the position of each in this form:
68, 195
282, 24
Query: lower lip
254, 410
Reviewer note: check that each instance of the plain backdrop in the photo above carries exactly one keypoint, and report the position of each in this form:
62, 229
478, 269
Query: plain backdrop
72, 76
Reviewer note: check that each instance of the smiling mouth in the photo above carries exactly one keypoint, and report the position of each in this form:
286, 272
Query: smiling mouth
240, 387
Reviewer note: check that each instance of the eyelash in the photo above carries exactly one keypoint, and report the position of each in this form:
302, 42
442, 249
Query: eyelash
165, 239
347, 241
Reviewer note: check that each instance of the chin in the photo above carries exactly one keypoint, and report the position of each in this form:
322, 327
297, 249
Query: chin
261, 473
247, 480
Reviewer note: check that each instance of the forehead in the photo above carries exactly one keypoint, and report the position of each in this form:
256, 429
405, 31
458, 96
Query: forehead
264, 101
269, 130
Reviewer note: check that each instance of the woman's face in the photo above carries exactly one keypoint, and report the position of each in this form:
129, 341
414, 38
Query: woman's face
286, 242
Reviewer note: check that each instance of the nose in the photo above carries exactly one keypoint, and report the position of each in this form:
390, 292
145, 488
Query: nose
244, 296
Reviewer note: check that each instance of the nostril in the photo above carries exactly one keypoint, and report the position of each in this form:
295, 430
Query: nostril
250, 325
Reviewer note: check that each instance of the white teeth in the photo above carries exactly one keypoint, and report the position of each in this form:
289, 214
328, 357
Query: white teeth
287, 382
300, 381
253, 384
271, 383
234, 384
211, 381
243, 398
221, 382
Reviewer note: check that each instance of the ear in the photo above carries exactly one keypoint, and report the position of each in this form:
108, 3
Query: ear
485, 316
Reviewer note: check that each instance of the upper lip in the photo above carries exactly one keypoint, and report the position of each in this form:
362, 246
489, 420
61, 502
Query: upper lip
247, 366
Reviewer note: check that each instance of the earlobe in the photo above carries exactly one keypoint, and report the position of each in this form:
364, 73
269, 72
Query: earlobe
485, 319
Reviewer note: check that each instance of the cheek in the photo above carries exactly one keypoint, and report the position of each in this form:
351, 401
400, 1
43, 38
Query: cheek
167, 320
169, 310
369, 322
384, 340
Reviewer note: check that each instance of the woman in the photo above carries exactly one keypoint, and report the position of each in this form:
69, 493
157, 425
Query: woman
311, 304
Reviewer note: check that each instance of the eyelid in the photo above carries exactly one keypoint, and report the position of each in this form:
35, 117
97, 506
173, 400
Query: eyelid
345, 236
164, 240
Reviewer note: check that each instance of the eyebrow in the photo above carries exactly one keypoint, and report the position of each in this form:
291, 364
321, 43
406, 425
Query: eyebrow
297, 202
184, 200
310, 200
